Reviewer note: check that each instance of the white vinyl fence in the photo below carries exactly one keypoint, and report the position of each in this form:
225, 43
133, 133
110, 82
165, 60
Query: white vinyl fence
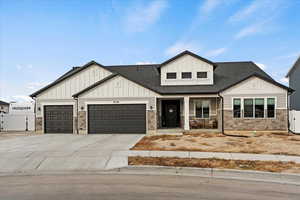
12, 122
295, 121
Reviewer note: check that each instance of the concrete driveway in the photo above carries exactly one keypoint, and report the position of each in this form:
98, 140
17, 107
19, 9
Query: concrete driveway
55, 152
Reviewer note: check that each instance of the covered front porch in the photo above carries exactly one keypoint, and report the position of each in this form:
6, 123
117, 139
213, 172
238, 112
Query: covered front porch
189, 113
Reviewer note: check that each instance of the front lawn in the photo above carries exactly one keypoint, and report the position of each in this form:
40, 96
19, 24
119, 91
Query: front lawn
269, 166
258, 143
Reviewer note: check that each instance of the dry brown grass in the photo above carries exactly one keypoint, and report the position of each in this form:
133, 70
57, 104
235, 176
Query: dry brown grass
266, 143
270, 166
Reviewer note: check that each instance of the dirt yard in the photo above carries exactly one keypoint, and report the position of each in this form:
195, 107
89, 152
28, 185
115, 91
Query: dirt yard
9, 135
269, 166
259, 143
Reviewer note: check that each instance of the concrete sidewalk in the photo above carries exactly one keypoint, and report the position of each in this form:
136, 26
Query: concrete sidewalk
188, 154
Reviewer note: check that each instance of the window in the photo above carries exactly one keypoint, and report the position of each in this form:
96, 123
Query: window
237, 108
201, 74
186, 75
171, 75
248, 108
259, 108
202, 109
271, 107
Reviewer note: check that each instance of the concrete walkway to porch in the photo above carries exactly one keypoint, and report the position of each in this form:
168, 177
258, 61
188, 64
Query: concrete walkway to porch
189, 154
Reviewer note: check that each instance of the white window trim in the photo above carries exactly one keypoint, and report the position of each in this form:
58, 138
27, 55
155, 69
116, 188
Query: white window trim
241, 110
186, 78
258, 97
209, 117
171, 78
201, 78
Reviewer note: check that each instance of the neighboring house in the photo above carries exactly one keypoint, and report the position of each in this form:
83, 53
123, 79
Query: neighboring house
186, 92
294, 82
4, 107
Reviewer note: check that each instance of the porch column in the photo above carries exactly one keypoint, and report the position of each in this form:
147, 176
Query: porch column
186, 113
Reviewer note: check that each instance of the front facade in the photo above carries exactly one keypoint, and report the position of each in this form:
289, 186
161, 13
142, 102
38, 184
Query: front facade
4, 107
185, 93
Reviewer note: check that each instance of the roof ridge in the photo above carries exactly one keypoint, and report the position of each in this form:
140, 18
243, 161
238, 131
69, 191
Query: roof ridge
236, 62
131, 65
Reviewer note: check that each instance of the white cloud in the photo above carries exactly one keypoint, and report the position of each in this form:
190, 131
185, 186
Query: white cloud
209, 5
216, 52
144, 63
24, 67
247, 11
250, 30
262, 66
17, 98
141, 17
257, 9
35, 85
284, 80
178, 47
289, 56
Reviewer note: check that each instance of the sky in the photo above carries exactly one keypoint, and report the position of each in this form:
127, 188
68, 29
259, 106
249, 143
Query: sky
40, 40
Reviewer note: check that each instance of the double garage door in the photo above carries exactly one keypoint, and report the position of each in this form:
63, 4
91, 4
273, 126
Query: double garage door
116, 118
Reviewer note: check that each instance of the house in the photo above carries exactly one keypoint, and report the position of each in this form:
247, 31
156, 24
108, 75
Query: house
186, 93
294, 100
4, 107
294, 82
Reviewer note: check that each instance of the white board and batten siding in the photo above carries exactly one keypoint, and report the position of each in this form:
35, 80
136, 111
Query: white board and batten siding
295, 121
119, 90
255, 87
75, 83
118, 87
187, 63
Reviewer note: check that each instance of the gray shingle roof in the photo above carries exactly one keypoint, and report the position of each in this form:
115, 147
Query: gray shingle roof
226, 74
3, 103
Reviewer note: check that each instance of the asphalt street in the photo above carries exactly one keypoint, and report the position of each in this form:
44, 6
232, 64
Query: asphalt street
141, 187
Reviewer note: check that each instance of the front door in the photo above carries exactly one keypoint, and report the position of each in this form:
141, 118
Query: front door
171, 113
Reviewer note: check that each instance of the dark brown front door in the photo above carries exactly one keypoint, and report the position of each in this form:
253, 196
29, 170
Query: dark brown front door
171, 113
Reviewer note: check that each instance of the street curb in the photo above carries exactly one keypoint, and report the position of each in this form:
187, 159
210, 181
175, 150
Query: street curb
249, 175
244, 175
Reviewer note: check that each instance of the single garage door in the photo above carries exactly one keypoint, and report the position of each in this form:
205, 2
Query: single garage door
117, 118
58, 119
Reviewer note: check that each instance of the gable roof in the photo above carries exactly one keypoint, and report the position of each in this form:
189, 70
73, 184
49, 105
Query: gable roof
188, 53
297, 63
4, 103
226, 74
68, 74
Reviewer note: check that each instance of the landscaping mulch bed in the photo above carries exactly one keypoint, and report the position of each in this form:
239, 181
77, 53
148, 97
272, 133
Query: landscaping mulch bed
257, 143
269, 166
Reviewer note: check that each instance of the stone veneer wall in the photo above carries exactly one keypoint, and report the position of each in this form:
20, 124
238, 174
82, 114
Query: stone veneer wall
38, 124
152, 122
279, 123
82, 122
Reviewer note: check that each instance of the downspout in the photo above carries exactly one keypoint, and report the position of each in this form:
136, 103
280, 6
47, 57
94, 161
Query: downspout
223, 132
